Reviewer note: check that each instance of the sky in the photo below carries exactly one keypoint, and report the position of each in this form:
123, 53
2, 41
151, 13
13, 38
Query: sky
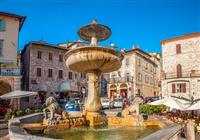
133, 22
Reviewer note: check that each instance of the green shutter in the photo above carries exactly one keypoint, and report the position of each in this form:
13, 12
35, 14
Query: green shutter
2, 25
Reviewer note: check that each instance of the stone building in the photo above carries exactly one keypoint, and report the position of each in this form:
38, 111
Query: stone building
181, 65
44, 70
10, 75
137, 75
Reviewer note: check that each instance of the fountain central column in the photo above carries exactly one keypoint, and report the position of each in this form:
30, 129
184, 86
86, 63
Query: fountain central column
93, 105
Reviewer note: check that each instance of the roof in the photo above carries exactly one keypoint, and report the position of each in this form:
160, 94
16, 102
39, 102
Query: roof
185, 36
42, 43
138, 50
21, 18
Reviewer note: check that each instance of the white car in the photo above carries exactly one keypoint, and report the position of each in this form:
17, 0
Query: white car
117, 103
105, 103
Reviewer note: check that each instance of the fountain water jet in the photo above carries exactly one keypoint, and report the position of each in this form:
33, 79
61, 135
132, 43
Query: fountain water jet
94, 60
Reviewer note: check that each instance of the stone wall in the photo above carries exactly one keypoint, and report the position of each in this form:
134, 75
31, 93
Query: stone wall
50, 83
188, 59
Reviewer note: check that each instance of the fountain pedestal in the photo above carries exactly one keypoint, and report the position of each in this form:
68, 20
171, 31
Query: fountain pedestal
93, 105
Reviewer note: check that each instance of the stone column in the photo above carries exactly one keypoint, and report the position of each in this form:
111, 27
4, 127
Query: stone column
190, 134
93, 100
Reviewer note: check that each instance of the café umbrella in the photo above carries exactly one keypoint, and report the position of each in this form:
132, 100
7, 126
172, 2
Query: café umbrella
170, 102
17, 94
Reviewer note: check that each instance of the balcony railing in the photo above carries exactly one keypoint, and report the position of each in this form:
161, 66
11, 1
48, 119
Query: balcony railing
185, 74
121, 79
10, 72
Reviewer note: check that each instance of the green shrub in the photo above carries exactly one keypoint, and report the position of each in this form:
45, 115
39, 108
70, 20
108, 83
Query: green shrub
19, 113
28, 111
8, 114
38, 110
151, 109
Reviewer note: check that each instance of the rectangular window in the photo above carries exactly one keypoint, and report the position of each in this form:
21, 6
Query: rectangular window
139, 62
50, 73
2, 25
146, 79
127, 61
50, 56
60, 74
180, 87
1, 47
178, 48
83, 75
146, 66
61, 58
70, 75
139, 76
39, 72
39, 54
75, 76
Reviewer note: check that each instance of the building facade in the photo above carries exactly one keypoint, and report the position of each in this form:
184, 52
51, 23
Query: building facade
181, 65
10, 75
44, 71
137, 75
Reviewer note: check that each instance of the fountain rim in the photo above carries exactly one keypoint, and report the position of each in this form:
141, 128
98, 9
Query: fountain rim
101, 48
97, 24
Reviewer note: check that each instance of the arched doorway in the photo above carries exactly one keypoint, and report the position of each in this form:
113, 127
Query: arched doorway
4, 88
113, 91
123, 90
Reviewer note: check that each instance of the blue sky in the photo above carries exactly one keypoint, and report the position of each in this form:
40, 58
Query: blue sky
139, 22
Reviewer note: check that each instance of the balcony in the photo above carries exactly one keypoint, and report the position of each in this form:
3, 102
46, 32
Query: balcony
185, 74
121, 79
10, 72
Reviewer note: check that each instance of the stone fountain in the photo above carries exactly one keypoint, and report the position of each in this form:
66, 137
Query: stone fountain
93, 60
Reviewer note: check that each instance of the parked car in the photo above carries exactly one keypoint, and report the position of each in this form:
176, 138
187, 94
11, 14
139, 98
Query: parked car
105, 103
72, 105
117, 103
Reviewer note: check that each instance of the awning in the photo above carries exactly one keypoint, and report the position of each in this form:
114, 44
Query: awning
17, 94
41, 87
64, 86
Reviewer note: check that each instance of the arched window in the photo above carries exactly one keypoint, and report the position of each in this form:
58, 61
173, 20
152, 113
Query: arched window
179, 70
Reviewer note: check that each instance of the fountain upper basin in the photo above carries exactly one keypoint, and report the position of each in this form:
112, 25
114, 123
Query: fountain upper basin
93, 58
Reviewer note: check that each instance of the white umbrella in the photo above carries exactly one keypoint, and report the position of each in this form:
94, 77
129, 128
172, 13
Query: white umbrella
170, 102
195, 106
17, 94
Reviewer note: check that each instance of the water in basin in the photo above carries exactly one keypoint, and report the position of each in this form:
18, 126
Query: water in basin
100, 133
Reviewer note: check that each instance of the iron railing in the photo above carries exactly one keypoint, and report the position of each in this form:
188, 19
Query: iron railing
10, 72
185, 74
120, 79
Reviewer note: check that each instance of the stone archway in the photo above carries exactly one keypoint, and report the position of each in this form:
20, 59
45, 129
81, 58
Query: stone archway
113, 91
4, 88
123, 90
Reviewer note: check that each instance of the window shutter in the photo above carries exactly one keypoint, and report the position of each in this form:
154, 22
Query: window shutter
184, 87
2, 25
173, 88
